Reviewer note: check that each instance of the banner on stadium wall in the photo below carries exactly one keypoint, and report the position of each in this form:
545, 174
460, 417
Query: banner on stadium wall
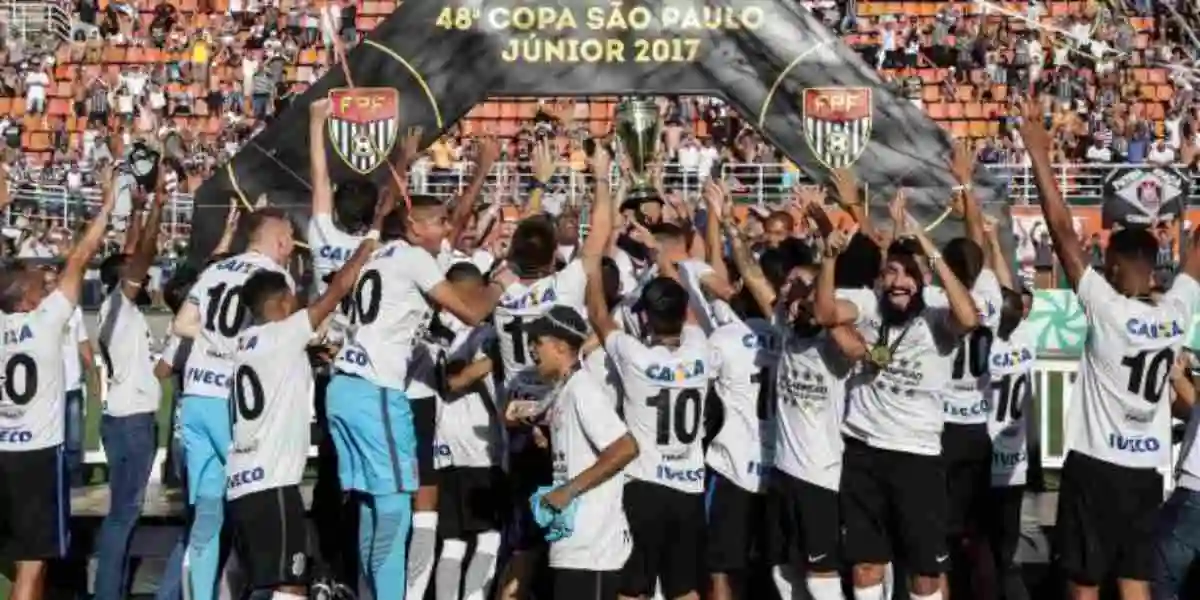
789, 76
1143, 196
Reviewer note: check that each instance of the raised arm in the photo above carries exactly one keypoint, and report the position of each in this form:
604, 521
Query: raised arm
995, 256
963, 166
714, 195
964, 313
464, 204
752, 276
231, 223
543, 171
133, 230
70, 283
147, 247
600, 223
828, 310
318, 167
849, 199
598, 311
342, 282
1054, 207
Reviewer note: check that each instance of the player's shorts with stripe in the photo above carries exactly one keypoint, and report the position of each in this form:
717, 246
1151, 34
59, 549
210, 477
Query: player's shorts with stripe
372, 428
471, 500
271, 534
1106, 520
804, 527
667, 526
34, 505
735, 518
207, 431
967, 450
893, 499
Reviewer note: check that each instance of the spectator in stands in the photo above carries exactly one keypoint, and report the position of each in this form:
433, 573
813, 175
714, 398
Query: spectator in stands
37, 79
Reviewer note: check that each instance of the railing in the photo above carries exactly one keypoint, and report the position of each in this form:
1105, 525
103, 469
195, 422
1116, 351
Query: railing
29, 18
762, 184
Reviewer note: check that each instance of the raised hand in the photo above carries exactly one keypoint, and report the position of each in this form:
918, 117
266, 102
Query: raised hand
898, 209
838, 240
962, 162
543, 162
846, 186
714, 196
806, 196
410, 148
320, 110
601, 162
489, 151
1033, 129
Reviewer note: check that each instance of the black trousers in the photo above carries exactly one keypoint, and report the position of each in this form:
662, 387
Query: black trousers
335, 516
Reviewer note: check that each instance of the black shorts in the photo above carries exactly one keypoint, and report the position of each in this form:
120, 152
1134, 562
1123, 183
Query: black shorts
1003, 527
271, 534
586, 585
804, 528
1106, 520
667, 527
735, 525
471, 500
530, 468
967, 450
34, 505
891, 500
424, 427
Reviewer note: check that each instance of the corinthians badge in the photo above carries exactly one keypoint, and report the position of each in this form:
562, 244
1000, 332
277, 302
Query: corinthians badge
363, 125
837, 123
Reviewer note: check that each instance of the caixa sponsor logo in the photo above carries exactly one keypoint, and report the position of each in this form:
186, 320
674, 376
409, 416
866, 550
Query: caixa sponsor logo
666, 473
1136, 445
15, 436
245, 477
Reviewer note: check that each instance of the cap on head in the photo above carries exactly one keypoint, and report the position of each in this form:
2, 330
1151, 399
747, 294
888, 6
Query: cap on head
562, 323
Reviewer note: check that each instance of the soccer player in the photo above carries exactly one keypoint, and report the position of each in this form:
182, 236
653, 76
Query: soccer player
893, 478
532, 256
128, 428
34, 506
591, 446
665, 382
213, 316
369, 414
1118, 431
1178, 545
272, 390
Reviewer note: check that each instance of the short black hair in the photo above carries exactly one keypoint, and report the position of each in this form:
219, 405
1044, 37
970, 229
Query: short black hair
13, 279
906, 254
175, 290
858, 265
610, 277
964, 258
395, 224
665, 304
463, 271
534, 243
1135, 245
1011, 309
354, 204
110, 270
260, 288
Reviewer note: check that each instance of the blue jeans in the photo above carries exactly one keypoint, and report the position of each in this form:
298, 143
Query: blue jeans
129, 443
73, 445
1178, 542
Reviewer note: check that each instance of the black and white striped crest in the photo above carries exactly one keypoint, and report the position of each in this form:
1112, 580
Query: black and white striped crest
363, 126
837, 124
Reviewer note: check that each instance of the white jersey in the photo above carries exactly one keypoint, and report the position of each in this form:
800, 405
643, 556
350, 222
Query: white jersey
218, 296
900, 407
811, 399
425, 370
582, 424
1011, 395
710, 313
745, 354
604, 370
964, 400
392, 314
468, 426
125, 348
272, 393
523, 302
331, 249
665, 391
1116, 412
32, 390
74, 335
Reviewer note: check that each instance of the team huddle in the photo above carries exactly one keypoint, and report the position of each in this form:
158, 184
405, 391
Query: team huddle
660, 409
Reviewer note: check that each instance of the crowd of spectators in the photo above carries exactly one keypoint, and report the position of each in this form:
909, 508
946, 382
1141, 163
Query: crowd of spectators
200, 77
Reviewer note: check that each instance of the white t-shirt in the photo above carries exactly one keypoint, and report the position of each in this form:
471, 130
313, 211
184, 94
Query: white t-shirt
964, 400
1116, 413
74, 335
125, 347
32, 391
582, 424
745, 355
523, 302
1011, 395
392, 314
603, 369
218, 296
331, 248
811, 399
665, 390
710, 313
468, 425
272, 393
900, 407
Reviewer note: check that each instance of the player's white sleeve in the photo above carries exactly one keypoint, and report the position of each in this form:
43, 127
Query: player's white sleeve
597, 415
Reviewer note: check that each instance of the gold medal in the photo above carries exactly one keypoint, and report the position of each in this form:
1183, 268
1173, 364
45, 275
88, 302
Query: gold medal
880, 356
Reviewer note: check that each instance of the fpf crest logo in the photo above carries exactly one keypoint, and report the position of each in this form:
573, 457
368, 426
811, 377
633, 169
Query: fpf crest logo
364, 124
837, 123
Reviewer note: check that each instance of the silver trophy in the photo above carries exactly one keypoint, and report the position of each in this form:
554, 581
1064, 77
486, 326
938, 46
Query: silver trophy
639, 129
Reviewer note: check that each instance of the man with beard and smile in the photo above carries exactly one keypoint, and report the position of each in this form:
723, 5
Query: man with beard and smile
892, 465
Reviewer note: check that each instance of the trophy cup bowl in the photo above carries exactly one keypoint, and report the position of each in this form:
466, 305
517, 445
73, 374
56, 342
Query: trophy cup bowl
639, 130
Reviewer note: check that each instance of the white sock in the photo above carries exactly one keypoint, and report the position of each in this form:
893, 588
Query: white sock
482, 569
278, 595
936, 595
825, 588
784, 576
874, 592
420, 553
449, 569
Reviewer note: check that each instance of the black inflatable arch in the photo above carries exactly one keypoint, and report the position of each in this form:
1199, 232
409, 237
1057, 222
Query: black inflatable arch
761, 56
